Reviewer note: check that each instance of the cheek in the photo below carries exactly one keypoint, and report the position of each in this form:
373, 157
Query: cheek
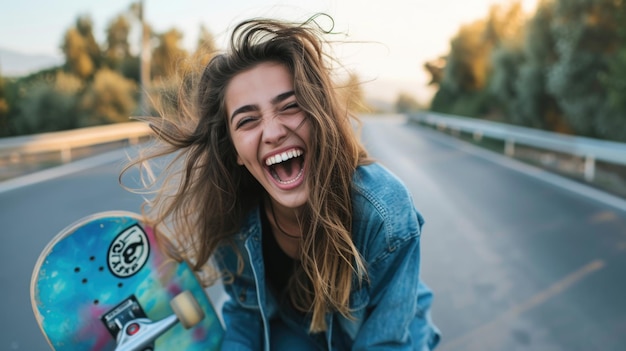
243, 150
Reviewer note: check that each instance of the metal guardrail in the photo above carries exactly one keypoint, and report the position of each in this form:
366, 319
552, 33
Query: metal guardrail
16, 148
587, 148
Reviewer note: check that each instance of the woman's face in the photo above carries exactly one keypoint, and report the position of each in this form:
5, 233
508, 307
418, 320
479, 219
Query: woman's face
270, 131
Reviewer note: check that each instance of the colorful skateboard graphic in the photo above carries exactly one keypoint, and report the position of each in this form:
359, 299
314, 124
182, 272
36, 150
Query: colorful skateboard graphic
103, 284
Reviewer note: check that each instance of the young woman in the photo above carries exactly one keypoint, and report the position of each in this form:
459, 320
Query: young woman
317, 245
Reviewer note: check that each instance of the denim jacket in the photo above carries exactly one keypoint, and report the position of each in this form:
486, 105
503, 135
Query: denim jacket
391, 309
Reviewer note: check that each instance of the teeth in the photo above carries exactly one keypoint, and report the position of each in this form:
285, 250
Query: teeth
272, 160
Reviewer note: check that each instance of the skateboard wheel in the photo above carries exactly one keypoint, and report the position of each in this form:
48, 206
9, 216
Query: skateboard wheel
187, 309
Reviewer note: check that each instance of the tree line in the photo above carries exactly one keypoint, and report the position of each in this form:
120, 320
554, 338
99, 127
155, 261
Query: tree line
100, 83
562, 69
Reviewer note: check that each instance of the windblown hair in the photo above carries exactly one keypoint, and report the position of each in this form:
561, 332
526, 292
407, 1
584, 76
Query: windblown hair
204, 195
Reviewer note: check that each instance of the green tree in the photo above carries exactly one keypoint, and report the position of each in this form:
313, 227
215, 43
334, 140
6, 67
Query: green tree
615, 78
504, 29
111, 98
205, 50
84, 25
405, 103
435, 69
468, 62
534, 106
506, 59
206, 42
463, 88
504, 24
465, 73
4, 109
117, 52
585, 39
77, 59
168, 55
82, 53
49, 105
117, 49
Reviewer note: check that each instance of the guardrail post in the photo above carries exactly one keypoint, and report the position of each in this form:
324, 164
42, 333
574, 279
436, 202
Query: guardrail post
477, 135
509, 147
66, 154
590, 168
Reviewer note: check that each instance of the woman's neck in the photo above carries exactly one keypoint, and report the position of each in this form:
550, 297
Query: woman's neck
283, 220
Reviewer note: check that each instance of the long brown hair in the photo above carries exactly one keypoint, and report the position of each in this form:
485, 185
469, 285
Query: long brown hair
203, 195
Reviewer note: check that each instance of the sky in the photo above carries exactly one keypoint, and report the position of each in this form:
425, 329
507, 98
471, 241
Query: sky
386, 41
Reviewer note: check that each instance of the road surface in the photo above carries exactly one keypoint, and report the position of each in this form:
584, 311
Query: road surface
517, 260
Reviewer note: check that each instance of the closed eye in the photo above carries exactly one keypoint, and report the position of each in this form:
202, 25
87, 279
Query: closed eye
290, 108
246, 120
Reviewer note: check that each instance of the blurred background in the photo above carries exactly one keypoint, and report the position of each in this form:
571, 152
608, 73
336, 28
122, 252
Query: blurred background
525, 239
86, 50
542, 64
549, 65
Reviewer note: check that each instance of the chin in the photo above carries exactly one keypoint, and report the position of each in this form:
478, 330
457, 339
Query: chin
295, 200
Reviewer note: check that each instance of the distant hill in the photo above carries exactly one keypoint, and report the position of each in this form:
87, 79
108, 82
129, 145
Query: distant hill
17, 64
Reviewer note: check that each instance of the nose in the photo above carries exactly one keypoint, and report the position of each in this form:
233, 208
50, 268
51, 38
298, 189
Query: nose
274, 130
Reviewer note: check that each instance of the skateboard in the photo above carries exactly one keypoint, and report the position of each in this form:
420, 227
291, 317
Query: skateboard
104, 284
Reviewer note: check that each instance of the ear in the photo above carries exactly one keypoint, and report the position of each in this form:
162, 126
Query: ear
239, 161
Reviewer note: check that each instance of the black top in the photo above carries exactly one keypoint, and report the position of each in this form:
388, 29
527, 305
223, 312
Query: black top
278, 266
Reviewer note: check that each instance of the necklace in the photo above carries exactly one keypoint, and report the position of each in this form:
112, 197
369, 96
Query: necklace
281, 230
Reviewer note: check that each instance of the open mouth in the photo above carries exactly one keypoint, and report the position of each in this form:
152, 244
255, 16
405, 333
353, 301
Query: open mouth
286, 167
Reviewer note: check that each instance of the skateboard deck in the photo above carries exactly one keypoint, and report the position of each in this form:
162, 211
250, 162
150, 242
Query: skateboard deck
103, 284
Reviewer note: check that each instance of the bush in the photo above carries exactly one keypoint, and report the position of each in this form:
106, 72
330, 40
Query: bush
111, 98
48, 105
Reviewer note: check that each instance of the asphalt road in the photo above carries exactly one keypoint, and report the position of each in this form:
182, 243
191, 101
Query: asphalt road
517, 260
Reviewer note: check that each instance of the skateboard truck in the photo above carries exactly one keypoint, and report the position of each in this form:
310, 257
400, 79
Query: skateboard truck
134, 331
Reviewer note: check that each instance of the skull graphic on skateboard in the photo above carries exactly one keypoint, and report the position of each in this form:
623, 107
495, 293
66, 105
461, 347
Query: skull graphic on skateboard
104, 284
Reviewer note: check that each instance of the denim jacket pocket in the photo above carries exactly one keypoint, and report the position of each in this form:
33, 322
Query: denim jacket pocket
243, 290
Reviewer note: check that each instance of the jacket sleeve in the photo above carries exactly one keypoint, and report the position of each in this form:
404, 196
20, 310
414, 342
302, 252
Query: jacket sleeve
397, 316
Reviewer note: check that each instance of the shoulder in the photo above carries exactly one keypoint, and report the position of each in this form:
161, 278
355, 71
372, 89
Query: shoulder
383, 210
376, 181
375, 186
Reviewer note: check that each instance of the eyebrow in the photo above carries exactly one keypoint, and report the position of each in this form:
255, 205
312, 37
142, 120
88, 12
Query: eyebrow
248, 108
